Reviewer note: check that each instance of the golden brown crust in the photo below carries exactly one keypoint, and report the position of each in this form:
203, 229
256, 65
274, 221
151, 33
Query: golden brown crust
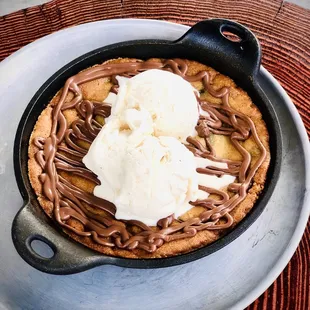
97, 90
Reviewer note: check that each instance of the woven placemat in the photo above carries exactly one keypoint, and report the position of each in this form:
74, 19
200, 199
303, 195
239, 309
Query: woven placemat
284, 32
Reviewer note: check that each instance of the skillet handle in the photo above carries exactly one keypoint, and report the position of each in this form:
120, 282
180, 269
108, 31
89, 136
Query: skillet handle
68, 258
208, 40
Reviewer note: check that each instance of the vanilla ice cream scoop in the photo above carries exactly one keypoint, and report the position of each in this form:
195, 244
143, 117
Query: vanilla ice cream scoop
168, 98
158, 179
146, 177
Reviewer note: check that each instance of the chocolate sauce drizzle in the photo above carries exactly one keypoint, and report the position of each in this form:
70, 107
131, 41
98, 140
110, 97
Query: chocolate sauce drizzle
61, 151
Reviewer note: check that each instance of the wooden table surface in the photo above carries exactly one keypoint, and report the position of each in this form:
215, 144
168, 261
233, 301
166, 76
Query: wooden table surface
284, 32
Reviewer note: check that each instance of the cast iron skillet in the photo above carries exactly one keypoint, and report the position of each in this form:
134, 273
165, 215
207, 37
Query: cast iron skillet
205, 43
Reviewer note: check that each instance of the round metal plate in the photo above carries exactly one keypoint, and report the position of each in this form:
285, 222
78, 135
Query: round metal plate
230, 278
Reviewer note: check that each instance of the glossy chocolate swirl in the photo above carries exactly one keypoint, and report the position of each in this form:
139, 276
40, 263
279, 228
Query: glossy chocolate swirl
63, 151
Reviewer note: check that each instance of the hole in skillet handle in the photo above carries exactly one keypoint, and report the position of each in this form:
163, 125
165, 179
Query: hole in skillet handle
40, 247
230, 35
225, 45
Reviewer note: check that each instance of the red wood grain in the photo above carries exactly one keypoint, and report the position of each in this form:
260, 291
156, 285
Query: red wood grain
284, 32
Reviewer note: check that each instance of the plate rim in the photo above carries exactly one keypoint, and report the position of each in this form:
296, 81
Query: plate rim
305, 210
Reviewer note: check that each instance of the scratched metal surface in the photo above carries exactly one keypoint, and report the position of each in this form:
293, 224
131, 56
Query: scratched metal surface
228, 279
